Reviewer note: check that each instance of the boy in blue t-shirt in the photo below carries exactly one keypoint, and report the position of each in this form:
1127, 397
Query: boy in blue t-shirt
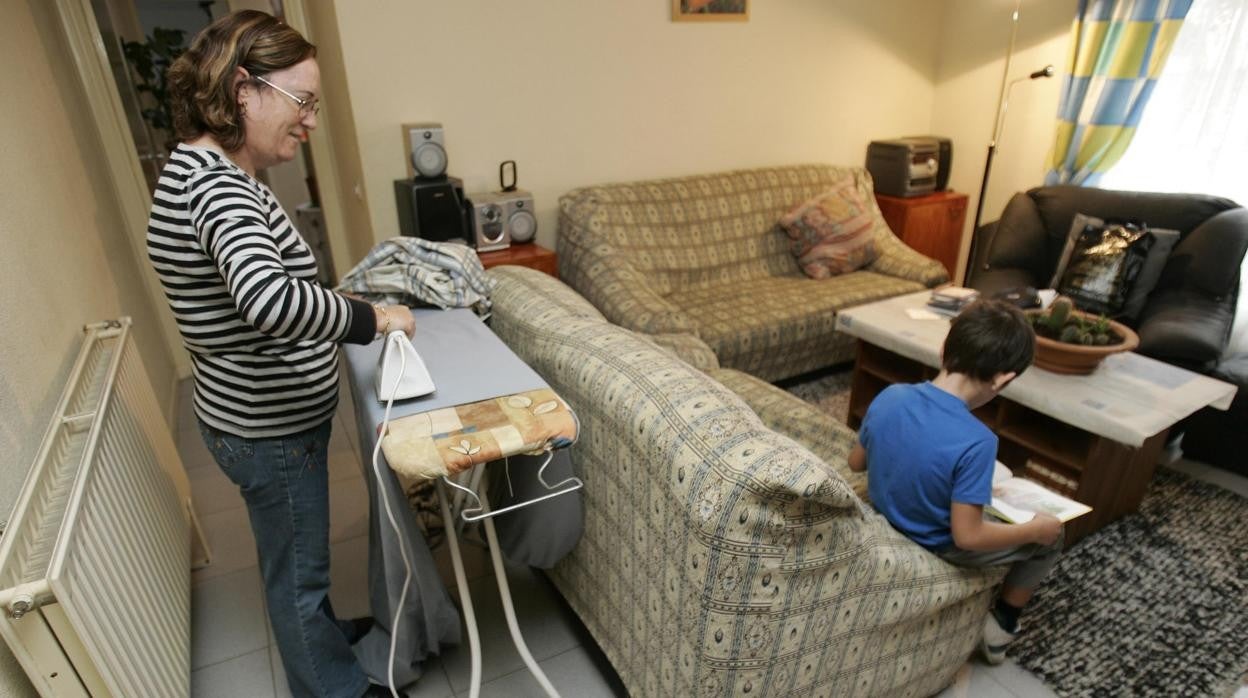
930, 463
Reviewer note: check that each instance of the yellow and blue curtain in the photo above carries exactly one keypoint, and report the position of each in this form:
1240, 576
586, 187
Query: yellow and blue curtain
1118, 48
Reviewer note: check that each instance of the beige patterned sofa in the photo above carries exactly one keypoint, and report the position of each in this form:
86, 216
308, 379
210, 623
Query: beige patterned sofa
703, 255
725, 551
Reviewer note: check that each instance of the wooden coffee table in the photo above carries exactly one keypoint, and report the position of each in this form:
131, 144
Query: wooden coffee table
1095, 438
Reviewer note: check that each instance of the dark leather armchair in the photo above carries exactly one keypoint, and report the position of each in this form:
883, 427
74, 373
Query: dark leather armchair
1187, 317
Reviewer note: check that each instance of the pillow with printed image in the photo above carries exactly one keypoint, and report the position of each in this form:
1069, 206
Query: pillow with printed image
1110, 268
832, 233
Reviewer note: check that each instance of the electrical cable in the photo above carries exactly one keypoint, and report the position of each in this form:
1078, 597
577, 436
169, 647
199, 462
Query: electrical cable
392, 339
475, 514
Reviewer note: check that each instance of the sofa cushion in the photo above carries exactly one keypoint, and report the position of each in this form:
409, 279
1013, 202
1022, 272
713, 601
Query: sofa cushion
832, 233
1210, 256
1100, 263
1018, 240
1186, 327
1150, 274
781, 326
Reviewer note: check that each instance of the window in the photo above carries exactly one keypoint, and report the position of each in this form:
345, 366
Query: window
1192, 137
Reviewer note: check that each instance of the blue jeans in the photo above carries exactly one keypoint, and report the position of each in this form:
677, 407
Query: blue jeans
285, 482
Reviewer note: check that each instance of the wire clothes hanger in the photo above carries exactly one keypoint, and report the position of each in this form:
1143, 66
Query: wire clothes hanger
477, 512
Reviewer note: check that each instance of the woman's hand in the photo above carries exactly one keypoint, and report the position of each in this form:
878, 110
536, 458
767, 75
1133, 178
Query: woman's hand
395, 317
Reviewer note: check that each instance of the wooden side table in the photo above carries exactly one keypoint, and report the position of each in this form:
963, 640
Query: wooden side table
931, 224
527, 255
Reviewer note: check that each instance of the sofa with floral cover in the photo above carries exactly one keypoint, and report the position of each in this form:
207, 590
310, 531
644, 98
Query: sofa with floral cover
704, 256
727, 550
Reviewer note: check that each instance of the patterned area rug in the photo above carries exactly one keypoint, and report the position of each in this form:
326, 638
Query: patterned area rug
1156, 604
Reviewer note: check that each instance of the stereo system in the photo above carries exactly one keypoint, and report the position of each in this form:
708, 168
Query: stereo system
910, 166
432, 205
501, 218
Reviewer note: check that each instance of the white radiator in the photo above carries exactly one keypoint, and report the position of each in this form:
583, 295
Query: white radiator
95, 562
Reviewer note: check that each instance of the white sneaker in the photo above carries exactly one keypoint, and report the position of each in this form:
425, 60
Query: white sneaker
995, 640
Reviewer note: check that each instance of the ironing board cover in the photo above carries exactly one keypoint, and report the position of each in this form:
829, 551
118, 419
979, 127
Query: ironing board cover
450, 440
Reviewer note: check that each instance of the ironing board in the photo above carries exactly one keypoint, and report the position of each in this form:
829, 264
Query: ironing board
468, 364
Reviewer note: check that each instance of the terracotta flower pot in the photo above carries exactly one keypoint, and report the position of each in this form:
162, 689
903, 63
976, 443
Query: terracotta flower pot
1061, 357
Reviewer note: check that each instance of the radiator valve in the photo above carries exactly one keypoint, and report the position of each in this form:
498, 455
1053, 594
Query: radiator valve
21, 605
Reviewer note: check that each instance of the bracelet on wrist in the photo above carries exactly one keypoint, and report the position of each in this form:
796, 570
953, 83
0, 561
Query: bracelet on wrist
382, 311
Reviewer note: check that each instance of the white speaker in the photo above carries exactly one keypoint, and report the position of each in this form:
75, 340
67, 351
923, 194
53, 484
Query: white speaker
426, 149
521, 219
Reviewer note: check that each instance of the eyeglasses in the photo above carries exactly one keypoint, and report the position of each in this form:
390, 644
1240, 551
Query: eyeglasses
306, 106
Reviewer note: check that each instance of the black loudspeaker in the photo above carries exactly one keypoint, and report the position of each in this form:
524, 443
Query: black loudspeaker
433, 209
946, 163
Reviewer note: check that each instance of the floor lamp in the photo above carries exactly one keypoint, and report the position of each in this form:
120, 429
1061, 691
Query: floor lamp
1003, 101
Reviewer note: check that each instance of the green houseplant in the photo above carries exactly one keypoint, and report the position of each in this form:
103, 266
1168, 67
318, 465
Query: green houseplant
1071, 341
149, 60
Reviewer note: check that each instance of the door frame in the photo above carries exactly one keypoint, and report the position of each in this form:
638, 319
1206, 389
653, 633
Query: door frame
324, 163
86, 45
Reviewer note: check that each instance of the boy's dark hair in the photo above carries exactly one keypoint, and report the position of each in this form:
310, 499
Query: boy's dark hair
987, 338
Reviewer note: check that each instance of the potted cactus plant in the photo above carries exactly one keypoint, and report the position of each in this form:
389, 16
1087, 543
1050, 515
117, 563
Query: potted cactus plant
1072, 341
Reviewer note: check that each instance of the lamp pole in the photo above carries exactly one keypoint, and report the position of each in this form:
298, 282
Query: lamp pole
992, 145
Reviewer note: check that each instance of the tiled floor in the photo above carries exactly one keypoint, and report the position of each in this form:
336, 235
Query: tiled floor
233, 654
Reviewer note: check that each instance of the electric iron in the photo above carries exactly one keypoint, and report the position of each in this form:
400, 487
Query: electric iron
401, 374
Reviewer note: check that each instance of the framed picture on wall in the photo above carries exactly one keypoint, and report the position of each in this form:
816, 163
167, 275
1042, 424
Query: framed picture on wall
710, 10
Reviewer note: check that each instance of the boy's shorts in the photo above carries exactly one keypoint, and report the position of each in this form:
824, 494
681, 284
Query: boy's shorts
1029, 564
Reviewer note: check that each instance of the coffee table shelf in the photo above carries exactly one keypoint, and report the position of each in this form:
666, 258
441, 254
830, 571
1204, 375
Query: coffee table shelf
1047, 438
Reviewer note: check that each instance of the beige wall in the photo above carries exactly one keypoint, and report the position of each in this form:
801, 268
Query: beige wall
974, 40
65, 256
588, 92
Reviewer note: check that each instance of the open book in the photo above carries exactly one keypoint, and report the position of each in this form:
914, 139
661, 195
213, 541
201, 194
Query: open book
1017, 500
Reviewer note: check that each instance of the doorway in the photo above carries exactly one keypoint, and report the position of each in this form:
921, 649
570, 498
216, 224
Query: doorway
140, 38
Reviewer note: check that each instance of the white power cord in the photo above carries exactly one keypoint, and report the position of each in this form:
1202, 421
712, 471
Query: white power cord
392, 339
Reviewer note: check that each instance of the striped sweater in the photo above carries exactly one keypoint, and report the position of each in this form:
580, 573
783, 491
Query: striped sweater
241, 282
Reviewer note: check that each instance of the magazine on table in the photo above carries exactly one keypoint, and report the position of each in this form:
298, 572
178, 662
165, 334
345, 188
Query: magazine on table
950, 300
1017, 500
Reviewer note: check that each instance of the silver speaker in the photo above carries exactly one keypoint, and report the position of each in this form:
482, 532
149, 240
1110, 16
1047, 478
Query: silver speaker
500, 218
426, 149
521, 220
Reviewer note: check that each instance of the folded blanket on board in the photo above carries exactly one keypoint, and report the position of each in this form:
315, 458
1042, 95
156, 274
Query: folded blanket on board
414, 271
450, 440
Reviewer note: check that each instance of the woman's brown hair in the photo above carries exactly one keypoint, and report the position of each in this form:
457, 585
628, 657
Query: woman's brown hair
201, 80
